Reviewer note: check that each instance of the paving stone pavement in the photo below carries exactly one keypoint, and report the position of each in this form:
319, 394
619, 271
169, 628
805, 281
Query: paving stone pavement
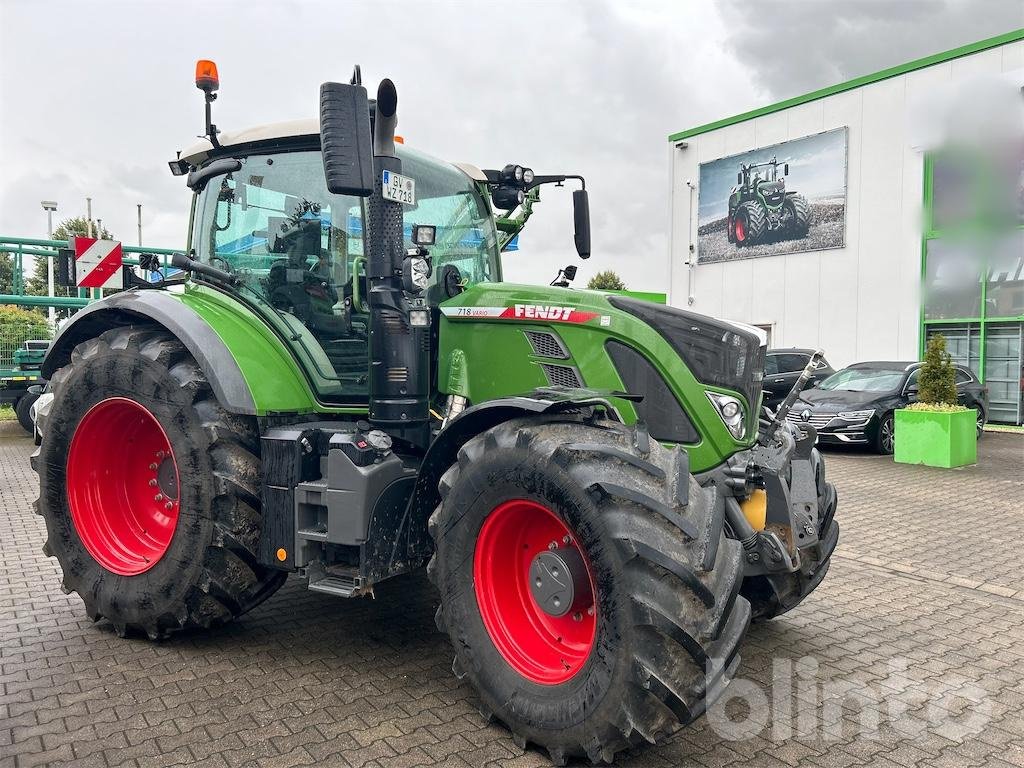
924, 581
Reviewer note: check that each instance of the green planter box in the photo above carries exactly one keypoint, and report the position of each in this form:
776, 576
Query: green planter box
936, 439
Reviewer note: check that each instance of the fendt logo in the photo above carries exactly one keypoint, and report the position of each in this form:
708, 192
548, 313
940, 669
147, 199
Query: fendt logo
541, 312
524, 312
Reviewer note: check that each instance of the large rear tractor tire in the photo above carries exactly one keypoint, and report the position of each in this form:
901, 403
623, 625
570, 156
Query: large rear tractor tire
751, 224
586, 584
150, 489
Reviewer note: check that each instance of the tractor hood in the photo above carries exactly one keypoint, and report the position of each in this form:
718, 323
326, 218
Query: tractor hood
499, 340
772, 191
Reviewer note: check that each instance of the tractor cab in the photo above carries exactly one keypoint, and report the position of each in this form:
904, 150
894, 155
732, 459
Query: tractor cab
297, 251
754, 177
271, 228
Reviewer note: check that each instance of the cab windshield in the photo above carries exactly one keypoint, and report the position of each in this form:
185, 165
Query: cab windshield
300, 250
276, 209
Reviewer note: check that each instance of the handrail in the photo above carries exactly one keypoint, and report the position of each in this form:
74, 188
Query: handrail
357, 301
58, 302
22, 241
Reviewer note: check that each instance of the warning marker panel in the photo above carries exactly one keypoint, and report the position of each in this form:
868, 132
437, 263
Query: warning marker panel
98, 263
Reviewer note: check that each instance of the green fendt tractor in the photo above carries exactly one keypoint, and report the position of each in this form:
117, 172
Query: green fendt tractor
340, 386
760, 207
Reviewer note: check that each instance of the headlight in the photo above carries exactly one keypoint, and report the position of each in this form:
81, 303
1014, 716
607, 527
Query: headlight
527, 175
731, 411
506, 197
856, 415
415, 274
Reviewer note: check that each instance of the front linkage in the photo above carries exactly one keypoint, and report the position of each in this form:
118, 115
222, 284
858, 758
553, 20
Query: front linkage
781, 508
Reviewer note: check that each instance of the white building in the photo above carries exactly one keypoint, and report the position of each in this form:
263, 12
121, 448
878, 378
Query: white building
854, 287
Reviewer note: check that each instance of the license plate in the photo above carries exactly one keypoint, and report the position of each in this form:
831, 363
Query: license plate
398, 188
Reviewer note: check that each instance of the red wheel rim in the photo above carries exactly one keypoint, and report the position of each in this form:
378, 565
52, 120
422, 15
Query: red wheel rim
741, 230
542, 648
123, 486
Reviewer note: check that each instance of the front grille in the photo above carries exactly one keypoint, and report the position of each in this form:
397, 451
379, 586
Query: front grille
546, 344
562, 375
716, 352
816, 420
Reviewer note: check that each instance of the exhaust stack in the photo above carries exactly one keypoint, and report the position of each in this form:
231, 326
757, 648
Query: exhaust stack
399, 351
385, 120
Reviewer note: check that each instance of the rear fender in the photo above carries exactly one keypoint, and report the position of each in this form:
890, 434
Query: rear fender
134, 307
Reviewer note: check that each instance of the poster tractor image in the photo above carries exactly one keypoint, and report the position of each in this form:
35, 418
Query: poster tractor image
780, 199
760, 206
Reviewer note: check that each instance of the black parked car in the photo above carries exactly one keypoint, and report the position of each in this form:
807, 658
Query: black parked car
782, 367
855, 405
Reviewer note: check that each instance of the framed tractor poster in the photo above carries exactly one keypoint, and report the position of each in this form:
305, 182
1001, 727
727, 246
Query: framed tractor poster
784, 198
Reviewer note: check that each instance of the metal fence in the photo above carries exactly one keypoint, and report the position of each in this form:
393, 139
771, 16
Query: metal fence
13, 337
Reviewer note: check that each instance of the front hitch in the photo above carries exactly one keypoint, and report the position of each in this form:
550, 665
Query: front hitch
794, 533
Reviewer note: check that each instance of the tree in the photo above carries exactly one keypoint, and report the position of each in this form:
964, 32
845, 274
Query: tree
606, 281
936, 384
6, 273
36, 284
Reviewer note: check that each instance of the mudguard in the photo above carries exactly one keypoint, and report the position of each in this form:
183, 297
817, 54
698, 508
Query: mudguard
412, 545
187, 325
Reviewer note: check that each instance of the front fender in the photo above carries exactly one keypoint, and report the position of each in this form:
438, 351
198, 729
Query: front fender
412, 542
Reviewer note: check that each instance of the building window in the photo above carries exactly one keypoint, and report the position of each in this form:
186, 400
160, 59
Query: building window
952, 286
1004, 288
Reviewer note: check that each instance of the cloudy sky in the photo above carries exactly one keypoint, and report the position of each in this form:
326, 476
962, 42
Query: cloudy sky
96, 96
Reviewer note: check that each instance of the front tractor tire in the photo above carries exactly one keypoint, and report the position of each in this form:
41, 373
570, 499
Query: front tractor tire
798, 215
586, 584
150, 489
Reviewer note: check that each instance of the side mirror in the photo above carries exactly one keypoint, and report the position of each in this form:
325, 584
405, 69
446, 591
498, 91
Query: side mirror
345, 139
739, 178
912, 391
581, 222
785, 170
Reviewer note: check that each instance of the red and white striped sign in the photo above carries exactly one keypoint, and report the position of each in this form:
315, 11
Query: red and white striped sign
98, 263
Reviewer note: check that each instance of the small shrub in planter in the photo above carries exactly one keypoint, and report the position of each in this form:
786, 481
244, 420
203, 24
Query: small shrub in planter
936, 430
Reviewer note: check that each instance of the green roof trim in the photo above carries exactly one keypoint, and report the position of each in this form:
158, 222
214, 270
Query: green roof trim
928, 61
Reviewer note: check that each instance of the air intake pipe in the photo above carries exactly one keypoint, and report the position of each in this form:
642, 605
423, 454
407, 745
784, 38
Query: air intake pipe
399, 352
